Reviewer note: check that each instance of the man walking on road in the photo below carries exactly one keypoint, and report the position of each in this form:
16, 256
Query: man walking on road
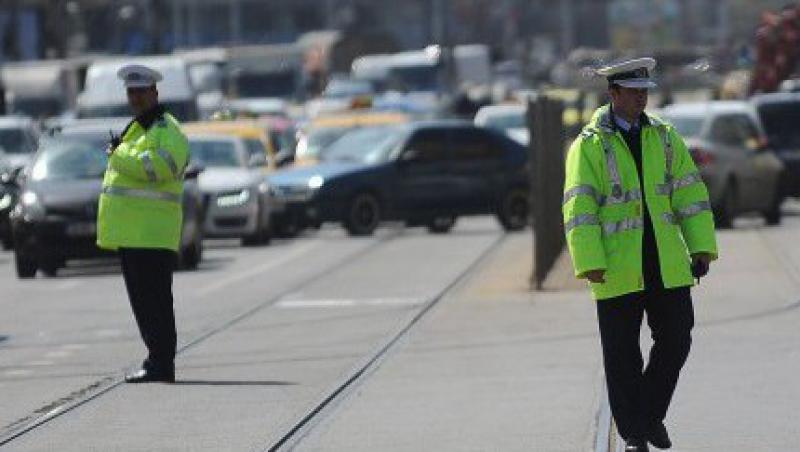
639, 227
140, 216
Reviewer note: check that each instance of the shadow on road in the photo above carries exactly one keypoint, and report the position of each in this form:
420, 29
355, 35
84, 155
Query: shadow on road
233, 383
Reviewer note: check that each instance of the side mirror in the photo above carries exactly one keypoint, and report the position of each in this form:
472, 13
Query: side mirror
257, 160
193, 171
284, 157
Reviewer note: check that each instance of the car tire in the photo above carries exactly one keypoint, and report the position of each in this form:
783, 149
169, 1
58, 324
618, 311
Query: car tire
442, 224
513, 211
725, 211
773, 215
261, 236
6, 243
191, 256
49, 267
26, 267
363, 215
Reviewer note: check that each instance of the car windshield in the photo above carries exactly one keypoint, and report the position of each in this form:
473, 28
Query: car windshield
367, 145
70, 158
505, 121
312, 144
215, 153
780, 123
15, 141
687, 125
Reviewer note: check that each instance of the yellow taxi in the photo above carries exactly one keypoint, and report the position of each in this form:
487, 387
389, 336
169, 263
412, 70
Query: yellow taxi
324, 130
255, 133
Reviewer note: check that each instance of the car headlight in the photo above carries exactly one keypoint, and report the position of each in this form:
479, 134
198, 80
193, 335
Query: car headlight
315, 182
236, 199
31, 206
5, 201
264, 187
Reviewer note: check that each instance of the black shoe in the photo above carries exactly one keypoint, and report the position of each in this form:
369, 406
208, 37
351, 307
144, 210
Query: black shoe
145, 375
636, 445
658, 436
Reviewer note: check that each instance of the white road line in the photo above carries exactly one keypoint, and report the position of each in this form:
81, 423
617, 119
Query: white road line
256, 271
348, 303
40, 363
58, 354
17, 373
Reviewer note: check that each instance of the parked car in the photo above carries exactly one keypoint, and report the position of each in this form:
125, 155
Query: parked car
19, 136
55, 219
235, 192
779, 114
426, 173
730, 150
509, 119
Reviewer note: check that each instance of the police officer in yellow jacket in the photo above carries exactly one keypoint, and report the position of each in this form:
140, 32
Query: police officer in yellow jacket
639, 227
140, 216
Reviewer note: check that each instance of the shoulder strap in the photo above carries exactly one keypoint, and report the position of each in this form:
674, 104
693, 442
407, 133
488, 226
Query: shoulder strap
611, 162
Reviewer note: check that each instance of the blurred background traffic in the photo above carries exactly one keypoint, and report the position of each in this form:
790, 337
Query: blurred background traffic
306, 112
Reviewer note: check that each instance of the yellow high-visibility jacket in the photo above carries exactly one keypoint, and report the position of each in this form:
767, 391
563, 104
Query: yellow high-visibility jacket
140, 206
603, 210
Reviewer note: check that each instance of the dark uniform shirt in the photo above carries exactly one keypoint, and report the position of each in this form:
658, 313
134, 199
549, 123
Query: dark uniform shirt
650, 265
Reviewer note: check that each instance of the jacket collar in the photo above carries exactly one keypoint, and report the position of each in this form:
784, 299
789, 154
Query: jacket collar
603, 119
147, 118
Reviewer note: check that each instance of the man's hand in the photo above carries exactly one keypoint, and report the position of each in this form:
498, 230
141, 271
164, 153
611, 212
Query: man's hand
596, 276
700, 264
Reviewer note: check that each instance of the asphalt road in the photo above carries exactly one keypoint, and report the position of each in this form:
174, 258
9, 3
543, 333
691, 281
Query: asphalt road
265, 333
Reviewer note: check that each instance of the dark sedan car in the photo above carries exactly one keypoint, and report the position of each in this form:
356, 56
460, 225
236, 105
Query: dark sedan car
424, 174
55, 217
779, 114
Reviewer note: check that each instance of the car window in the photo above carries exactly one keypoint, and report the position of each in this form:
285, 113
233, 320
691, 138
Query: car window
475, 144
430, 145
780, 120
254, 147
688, 126
215, 154
734, 130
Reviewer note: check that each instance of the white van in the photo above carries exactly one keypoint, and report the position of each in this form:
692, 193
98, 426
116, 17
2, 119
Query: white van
104, 94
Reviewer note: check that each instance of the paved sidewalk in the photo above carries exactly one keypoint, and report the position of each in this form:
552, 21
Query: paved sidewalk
494, 367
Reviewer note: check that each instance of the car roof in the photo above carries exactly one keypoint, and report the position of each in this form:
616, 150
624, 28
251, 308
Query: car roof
790, 97
98, 125
706, 108
201, 136
251, 129
353, 119
504, 108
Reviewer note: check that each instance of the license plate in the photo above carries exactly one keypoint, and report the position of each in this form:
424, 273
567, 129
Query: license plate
81, 229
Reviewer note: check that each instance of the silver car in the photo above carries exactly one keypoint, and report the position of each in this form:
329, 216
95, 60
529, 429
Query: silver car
730, 149
235, 191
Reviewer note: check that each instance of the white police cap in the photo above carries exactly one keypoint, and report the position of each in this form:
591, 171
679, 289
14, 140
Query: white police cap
138, 76
630, 73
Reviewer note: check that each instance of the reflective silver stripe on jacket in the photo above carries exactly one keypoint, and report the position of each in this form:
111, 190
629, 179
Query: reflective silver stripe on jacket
687, 212
668, 186
587, 190
633, 195
624, 225
613, 170
173, 166
581, 220
142, 193
685, 181
148, 167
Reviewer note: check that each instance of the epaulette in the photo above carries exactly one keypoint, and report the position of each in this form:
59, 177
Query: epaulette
162, 123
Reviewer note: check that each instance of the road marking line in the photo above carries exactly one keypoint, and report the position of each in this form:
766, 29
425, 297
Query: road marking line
256, 271
58, 354
17, 373
348, 303
40, 363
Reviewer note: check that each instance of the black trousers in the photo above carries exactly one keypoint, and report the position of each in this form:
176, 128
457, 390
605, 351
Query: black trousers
148, 279
641, 396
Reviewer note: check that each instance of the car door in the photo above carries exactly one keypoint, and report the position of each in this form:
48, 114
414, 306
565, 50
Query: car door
424, 186
477, 159
732, 157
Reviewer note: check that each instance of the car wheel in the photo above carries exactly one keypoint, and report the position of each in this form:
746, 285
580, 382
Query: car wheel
514, 210
442, 224
191, 256
773, 215
363, 215
261, 236
26, 267
6, 243
49, 267
724, 212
